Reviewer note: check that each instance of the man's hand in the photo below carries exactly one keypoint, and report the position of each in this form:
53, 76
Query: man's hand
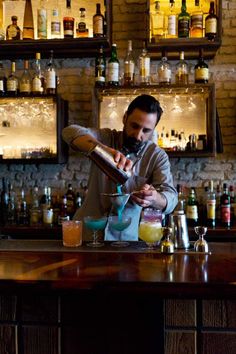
123, 162
148, 196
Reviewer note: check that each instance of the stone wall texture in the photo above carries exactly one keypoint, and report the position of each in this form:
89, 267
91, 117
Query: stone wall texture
77, 84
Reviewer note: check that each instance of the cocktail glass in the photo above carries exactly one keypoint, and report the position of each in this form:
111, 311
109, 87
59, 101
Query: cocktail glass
201, 244
119, 224
95, 224
151, 233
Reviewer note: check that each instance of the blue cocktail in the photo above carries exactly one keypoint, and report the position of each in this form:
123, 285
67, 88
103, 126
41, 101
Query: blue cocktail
95, 224
119, 224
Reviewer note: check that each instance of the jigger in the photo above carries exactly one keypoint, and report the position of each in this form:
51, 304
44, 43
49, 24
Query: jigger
167, 246
201, 244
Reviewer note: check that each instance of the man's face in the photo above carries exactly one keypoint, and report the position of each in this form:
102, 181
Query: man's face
138, 128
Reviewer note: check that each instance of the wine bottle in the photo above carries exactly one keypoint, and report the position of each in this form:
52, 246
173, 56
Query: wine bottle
211, 23
192, 208
113, 68
38, 79
68, 21
129, 66
28, 23
182, 70
144, 67
12, 81
164, 70
55, 24
25, 80
3, 80
172, 21
98, 22
51, 79
225, 207
201, 70
183, 21
100, 68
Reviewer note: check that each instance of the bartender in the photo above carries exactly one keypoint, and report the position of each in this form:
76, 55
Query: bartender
133, 150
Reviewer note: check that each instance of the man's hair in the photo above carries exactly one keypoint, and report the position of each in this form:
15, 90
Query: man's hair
146, 103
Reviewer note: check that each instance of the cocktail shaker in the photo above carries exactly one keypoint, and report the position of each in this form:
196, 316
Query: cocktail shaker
105, 161
178, 223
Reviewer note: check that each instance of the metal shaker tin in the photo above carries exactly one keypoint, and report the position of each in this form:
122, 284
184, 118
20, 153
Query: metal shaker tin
105, 161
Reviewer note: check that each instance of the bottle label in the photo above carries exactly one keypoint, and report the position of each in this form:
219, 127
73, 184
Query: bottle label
129, 69
211, 209
172, 25
144, 70
42, 23
25, 87
51, 79
201, 74
82, 26
183, 28
12, 32
225, 213
68, 24
197, 21
211, 26
97, 25
113, 72
192, 212
164, 75
11, 85
37, 85
55, 28
1, 85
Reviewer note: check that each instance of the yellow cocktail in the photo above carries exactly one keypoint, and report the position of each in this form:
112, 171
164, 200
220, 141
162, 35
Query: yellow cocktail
150, 232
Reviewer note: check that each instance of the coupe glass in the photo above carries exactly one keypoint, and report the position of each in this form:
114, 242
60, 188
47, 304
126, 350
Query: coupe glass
119, 224
201, 244
151, 233
95, 224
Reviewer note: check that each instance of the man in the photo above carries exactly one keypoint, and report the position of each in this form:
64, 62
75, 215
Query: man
151, 181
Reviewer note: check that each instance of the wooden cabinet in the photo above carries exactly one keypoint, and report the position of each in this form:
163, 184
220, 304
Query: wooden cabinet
62, 47
190, 46
30, 129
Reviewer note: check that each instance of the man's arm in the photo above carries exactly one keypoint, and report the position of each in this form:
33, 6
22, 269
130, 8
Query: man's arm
80, 139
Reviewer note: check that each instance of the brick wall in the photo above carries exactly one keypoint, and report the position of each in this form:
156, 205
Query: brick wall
77, 80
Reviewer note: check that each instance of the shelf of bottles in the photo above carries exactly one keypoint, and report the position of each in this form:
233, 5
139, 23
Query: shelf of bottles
187, 126
188, 25
29, 129
69, 28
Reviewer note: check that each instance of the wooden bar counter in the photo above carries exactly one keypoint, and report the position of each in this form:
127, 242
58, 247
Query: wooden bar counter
55, 300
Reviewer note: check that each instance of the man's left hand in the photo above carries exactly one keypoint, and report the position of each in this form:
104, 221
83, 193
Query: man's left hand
148, 196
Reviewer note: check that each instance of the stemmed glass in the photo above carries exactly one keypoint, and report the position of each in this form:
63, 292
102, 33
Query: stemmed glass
201, 244
95, 224
119, 224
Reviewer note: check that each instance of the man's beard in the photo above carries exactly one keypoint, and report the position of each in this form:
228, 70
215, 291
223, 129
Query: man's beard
131, 143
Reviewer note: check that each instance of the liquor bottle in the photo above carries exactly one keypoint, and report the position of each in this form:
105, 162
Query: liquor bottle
196, 29
55, 24
183, 21
25, 80
63, 214
164, 70
211, 23
192, 208
129, 66
100, 68
11, 209
172, 21
113, 68
157, 23
13, 30
225, 207
201, 71
68, 21
70, 195
38, 79
232, 203
218, 196
4, 203
82, 30
144, 67
28, 23
22, 210
3, 80
35, 211
12, 81
211, 206
98, 23
42, 20
50, 77
182, 71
